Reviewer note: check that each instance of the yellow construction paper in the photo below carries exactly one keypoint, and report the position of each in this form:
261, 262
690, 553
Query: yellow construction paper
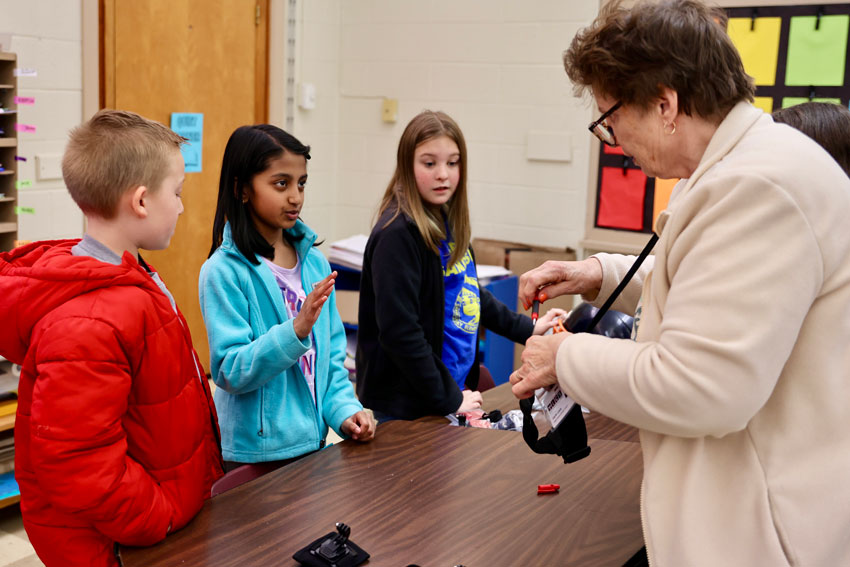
759, 48
764, 102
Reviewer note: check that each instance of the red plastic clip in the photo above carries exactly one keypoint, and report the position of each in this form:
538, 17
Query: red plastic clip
548, 488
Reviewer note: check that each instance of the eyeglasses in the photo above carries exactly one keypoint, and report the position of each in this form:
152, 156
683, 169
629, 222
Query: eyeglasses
601, 130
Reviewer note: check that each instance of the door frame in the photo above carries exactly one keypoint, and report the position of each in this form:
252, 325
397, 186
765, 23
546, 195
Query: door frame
275, 75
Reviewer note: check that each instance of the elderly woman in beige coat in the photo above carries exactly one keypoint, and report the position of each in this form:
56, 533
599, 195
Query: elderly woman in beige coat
739, 374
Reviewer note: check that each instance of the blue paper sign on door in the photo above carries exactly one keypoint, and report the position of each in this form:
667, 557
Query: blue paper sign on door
190, 125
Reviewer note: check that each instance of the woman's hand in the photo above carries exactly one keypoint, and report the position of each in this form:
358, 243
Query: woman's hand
545, 323
471, 401
553, 278
312, 306
360, 426
538, 365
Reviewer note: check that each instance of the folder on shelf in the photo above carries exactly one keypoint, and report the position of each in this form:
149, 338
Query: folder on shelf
8, 486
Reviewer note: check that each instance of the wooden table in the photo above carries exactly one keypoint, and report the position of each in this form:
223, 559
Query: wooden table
425, 493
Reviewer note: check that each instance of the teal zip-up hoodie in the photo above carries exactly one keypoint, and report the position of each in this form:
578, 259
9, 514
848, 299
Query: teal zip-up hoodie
265, 408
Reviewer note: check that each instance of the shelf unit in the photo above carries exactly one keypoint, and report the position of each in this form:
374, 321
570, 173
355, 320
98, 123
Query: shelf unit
8, 151
9, 493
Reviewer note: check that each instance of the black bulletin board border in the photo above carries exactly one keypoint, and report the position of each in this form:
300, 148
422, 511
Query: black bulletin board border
779, 90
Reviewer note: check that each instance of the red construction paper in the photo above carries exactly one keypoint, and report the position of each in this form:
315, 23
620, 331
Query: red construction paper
621, 197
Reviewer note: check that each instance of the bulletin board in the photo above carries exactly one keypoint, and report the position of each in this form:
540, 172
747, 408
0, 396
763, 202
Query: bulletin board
795, 53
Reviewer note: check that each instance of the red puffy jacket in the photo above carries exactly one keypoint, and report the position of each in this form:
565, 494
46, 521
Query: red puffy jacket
116, 436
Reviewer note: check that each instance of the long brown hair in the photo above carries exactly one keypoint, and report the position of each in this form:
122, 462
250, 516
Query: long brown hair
403, 195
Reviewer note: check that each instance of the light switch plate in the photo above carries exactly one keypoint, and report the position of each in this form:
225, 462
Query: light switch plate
389, 110
307, 96
48, 166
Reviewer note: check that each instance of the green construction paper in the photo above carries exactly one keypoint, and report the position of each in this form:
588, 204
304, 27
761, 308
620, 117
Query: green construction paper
816, 57
758, 47
795, 100
27, 210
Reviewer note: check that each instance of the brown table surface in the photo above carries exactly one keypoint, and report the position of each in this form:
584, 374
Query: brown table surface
430, 494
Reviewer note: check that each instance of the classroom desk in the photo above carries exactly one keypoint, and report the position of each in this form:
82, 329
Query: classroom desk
425, 493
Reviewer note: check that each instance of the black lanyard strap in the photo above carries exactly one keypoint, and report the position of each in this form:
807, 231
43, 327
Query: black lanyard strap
569, 439
622, 285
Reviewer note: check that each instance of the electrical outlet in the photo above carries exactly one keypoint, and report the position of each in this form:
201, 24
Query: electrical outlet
389, 110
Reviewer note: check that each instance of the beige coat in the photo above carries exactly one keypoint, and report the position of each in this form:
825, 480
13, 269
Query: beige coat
740, 376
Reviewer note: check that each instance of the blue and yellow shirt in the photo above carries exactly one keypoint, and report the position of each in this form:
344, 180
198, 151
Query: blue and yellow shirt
462, 313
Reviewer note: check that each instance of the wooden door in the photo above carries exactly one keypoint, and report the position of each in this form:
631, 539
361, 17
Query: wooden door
165, 56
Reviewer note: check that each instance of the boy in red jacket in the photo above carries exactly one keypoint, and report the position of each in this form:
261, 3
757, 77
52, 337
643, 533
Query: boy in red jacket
116, 436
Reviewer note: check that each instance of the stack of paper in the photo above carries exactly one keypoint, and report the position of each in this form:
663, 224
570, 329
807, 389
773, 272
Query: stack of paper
7, 453
487, 273
8, 379
349, 251
8, 385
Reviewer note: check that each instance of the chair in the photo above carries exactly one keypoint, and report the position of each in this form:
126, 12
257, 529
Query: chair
239, 475
485, 379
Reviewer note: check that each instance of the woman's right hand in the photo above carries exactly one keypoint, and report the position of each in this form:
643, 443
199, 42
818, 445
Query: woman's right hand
312, 306
471, 401
553, 278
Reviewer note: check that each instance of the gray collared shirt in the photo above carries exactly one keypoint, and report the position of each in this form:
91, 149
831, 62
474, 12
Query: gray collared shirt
93, 248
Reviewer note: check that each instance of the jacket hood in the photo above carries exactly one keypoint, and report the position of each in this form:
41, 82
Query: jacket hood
37, 278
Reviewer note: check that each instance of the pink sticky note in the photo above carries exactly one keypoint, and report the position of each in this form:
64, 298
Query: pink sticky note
24, 128
24, 100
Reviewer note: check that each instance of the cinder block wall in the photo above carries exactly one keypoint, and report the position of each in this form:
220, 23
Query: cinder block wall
494, 66
47, 37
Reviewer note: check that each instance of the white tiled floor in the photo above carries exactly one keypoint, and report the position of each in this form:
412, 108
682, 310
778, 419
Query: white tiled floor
15, 548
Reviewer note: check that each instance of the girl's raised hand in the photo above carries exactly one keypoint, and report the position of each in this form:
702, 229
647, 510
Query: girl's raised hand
312, 306
545, 322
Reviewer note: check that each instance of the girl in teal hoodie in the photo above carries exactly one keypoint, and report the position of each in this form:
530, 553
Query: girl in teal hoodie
277, 343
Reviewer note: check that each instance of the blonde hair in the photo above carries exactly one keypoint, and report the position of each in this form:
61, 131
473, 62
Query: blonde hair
113, 152
403, 194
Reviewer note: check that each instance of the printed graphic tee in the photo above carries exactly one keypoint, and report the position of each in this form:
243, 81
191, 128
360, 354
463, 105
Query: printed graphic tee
289, 282
462, 313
